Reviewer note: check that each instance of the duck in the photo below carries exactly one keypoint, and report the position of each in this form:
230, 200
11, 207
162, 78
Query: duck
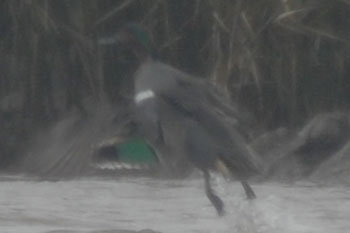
180, 114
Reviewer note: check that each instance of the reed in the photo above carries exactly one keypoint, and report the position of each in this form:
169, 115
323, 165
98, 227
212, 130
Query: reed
283, 60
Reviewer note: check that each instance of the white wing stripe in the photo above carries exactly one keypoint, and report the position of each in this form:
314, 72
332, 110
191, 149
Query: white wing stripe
144, 95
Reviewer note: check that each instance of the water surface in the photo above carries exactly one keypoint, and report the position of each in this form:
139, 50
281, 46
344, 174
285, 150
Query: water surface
169, 206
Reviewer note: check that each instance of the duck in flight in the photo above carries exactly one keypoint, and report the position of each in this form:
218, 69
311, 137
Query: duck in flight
167, 96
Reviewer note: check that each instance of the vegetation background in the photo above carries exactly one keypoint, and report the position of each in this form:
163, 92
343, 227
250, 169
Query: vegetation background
283, 60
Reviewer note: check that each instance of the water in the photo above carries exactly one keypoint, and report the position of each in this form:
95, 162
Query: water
171, 206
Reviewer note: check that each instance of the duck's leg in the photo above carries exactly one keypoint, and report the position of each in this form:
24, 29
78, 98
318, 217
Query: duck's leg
221, 167
214, 199
248, 190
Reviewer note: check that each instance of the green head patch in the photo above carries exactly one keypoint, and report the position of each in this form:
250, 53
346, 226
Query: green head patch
141, 36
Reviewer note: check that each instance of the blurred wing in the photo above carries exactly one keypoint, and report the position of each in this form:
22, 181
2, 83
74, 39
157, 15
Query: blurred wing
193, 101
198, 101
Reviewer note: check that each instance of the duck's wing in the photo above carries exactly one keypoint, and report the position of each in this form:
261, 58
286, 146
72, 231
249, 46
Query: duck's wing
199, 94
230, 145
197, 100
194, 99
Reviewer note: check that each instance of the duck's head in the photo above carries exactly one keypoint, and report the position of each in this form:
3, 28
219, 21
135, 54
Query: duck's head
132, 37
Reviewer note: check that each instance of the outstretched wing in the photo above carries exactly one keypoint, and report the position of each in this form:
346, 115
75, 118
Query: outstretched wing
195, 99
198, 101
